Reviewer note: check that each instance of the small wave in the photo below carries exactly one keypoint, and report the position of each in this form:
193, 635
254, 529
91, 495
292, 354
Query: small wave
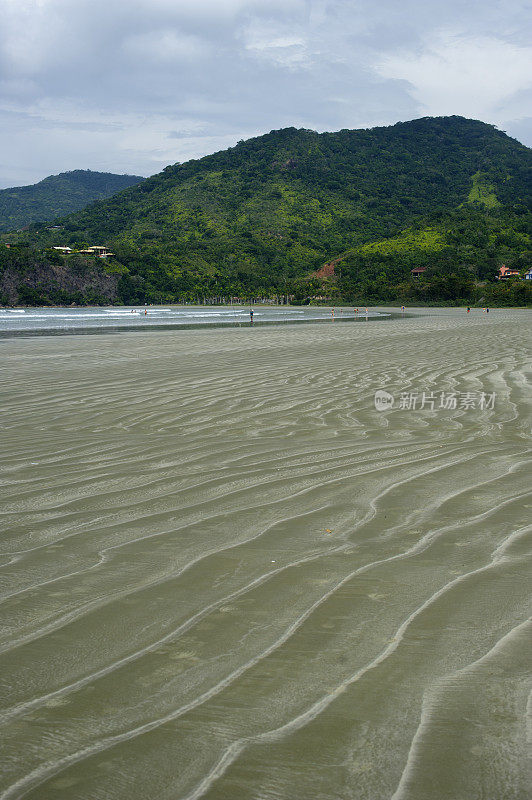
211, 314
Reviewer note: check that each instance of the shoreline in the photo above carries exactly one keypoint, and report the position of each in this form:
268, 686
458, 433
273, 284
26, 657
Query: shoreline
146, 326
376, 313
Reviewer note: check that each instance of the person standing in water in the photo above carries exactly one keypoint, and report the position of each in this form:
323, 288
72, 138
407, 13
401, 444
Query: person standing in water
251, 315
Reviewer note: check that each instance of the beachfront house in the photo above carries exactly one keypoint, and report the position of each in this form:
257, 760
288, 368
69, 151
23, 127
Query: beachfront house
506, 272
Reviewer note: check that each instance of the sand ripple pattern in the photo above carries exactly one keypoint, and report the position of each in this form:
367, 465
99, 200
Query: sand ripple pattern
225, 575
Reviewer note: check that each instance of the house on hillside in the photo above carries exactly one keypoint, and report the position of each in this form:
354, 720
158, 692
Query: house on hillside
506, 272
528, 275
97, 250
418, 271
64, 250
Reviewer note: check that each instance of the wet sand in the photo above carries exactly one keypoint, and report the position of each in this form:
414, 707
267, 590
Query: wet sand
226, 575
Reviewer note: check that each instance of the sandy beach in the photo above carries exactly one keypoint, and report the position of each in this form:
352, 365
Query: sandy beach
227, 575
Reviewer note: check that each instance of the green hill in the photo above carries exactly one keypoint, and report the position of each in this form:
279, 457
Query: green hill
262, 216
461, 255
58, 195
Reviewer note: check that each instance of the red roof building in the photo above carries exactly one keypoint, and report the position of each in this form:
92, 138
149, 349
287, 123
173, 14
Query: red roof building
506, 272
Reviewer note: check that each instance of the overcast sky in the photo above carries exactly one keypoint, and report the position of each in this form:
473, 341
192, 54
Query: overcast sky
134, 85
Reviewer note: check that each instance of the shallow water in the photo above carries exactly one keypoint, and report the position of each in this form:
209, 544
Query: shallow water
226, 575
97, 319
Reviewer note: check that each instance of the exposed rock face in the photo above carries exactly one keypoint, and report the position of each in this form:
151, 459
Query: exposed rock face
327, 271
57, 284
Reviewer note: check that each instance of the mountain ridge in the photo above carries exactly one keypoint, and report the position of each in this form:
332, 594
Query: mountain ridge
57, 195
274, 209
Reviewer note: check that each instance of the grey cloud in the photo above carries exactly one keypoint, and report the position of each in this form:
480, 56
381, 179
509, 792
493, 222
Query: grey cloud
132, 86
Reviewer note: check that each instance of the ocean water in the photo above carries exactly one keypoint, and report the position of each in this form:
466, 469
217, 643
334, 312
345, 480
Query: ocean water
225, 574
97, 318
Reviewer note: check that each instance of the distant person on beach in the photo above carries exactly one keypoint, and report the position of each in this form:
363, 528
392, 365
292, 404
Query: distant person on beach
251, 315
487, 311
468, 309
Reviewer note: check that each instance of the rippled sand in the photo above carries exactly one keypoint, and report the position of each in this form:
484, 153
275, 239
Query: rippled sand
226, 575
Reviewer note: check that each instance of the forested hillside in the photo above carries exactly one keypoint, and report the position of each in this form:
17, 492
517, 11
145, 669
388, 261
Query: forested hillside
58, 195
461, 256
449, 193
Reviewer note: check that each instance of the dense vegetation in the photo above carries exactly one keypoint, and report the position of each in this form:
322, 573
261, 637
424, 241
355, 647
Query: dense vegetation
259, 219
58, 195
461, 256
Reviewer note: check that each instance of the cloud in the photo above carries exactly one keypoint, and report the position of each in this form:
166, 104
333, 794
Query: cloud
103, 83
280, 45
467, 75
165, 46
219, 8
29, 35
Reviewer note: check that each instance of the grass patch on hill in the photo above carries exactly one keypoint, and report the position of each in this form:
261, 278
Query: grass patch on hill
482, 192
